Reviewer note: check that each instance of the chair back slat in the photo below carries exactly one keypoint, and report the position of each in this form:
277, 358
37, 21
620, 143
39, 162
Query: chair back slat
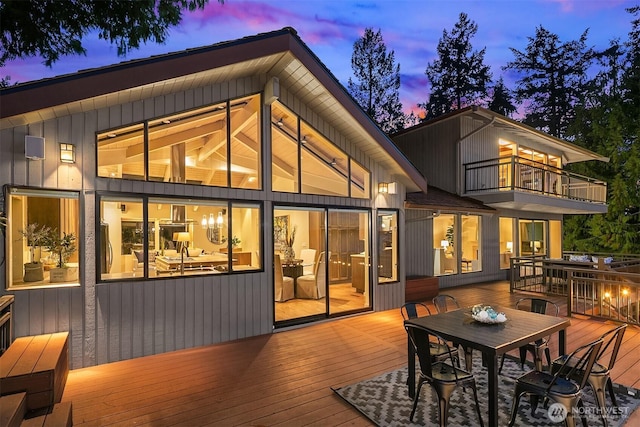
613, 337
578, 364
411, 310
539, 305
444, 302
422, 340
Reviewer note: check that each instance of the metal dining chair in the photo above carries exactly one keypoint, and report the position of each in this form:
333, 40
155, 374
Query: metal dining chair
443, 377
444, 303
412, 310
540, 306
600, 376
564, 386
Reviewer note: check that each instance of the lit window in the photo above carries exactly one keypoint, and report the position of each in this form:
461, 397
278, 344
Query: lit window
42, 244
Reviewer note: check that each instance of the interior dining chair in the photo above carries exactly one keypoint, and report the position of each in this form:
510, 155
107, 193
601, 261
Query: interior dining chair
308, 257
443, 377
600, 376
564, 387
540, 306
313, 286
283, 286
444, 303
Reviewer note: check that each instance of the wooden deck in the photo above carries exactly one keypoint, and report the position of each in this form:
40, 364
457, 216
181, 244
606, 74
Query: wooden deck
283, 378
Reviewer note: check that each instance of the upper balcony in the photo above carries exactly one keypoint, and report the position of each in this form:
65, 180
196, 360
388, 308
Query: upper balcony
522, 184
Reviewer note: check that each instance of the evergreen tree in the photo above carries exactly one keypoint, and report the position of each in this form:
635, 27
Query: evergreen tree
553, 76
459, 76
54, 28
609, 123
502, 101
377, 81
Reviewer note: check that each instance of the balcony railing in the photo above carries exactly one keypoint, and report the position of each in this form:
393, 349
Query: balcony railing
593, 289
516, 173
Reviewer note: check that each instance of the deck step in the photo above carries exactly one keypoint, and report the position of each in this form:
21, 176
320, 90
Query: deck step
13, 408
59, 415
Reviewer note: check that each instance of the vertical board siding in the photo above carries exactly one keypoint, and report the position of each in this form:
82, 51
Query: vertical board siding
433, 151
121, 320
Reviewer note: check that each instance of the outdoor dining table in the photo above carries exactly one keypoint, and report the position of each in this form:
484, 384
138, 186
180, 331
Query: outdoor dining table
492, 340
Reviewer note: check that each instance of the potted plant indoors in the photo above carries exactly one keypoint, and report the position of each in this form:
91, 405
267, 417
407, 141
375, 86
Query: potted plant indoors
36, 236
63, 246
289, 253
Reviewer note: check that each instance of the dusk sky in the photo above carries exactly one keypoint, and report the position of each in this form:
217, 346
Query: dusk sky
410, 28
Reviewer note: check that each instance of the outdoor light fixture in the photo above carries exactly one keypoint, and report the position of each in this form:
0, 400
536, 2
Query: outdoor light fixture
509, 246
387, 188
444, 244
67, 153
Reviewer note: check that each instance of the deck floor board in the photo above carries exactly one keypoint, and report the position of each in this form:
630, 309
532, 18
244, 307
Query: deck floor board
284, 379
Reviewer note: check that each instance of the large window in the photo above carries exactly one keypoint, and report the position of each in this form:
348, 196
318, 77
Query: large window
183, 237
303, 160
507, 239
457, 243
387, 247
217, 145
445, 245
42, 244
533, 239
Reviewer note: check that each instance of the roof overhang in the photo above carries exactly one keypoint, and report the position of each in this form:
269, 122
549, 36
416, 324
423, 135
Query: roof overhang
522, 133
436, 199
279, 54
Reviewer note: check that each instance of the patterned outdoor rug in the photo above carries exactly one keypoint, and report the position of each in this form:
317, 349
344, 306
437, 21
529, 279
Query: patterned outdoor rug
385, 402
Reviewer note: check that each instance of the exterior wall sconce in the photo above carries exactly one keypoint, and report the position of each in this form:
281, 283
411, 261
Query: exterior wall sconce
509, 246
387, 187
67, 153
444, 244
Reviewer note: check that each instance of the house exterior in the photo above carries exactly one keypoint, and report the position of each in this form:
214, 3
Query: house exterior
169, 187
497, 189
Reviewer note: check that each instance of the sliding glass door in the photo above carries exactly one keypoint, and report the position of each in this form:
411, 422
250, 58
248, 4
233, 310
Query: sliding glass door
322, 263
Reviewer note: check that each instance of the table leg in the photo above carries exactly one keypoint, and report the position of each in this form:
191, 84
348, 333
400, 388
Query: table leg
492, 380
411, 368
562, 350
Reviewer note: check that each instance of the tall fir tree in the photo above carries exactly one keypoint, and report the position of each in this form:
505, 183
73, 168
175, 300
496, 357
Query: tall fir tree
377, 81
609, 123
502, 100
459, 77
553, 76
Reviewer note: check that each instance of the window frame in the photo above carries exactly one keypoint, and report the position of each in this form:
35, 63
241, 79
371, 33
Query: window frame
147, 199
229, 103
10, 236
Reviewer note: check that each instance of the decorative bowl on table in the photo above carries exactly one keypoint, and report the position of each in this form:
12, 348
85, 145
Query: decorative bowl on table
487, 314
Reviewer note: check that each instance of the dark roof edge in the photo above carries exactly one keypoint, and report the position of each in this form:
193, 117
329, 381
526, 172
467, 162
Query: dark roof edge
132, 63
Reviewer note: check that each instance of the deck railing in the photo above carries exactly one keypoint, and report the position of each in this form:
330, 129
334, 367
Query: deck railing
610, 291
516, 173
605, 294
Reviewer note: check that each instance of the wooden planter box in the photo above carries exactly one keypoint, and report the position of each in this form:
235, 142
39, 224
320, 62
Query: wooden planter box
420, 288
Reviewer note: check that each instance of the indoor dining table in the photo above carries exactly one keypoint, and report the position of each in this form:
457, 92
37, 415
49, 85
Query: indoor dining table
492, 340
